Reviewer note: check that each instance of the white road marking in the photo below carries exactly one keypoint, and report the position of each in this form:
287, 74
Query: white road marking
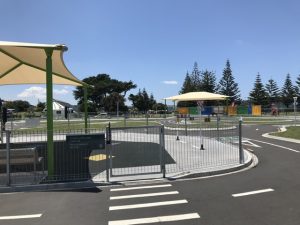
194, 146
252, 192
156, 219
141, 187
145, 205
183, 142
20, 217
249, 143
11, 193
144, 195
279, 146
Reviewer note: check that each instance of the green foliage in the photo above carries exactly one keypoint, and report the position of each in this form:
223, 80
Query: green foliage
273, 92
18, 105
40, 106
142, 101
187, 85
208, 81
99, 91
288, 91
228, 86
258, 95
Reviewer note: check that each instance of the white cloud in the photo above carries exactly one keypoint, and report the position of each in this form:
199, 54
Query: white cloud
171, 82
36, 92
60, 92
40, 92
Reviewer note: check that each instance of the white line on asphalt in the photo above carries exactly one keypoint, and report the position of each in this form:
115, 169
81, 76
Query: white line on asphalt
183, 142
252, 192
279, 146
144, 195
194, 146
156, 219
145, 205
11, 193
20, 217
141, 187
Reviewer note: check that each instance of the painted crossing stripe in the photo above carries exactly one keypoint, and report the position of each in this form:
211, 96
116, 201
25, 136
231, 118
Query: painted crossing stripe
141, 187
158, 219
145, 205
144, 195
20, 217
253, 192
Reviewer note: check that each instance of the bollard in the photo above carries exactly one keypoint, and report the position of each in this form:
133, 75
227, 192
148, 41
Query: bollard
241, 152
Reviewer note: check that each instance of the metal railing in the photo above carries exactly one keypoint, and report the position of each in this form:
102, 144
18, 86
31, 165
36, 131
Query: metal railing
101, 154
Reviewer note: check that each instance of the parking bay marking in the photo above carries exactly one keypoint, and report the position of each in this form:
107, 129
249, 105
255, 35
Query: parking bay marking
252, 192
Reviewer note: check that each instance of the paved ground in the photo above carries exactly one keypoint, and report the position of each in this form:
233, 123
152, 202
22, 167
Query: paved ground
199, 201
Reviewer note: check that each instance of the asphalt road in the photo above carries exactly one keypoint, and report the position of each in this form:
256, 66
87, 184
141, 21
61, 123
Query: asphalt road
199, 201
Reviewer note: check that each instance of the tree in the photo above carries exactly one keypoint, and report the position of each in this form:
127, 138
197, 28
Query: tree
187, 85
142, 101
258, 95
40, 106
298, 86
273, 92
100, 88
227, 85
195, 78
18, 105
288, 91
208, 81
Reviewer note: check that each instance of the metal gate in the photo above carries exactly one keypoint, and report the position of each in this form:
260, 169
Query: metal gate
135, 150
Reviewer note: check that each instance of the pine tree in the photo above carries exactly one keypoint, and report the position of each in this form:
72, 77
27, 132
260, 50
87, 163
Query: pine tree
187, 84
195, 78
258, 95
208, 81
288, 91
227, 85
298, 85
273, 92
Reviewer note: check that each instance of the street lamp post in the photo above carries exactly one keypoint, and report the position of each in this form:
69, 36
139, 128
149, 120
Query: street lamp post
295, 103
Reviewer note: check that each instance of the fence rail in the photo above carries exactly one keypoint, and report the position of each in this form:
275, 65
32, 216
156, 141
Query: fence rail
103, 154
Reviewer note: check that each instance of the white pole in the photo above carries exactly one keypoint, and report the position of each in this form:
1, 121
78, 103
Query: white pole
295, 103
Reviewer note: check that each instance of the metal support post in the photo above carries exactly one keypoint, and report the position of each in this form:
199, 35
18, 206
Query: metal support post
186, 134
107, 151
241, 151
162, 145
49, 87
7, 157
295, 104
85, 108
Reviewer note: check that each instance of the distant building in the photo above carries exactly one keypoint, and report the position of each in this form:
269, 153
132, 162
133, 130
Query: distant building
59, 109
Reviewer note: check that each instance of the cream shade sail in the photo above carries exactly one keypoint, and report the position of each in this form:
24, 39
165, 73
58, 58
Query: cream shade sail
197, 96
25, 63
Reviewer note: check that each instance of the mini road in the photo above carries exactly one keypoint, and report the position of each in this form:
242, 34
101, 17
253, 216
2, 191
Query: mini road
265, 195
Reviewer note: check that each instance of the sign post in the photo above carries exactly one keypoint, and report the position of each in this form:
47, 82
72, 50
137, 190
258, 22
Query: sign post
200, 106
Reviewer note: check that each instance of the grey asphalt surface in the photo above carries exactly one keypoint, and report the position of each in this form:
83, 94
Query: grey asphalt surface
211, 198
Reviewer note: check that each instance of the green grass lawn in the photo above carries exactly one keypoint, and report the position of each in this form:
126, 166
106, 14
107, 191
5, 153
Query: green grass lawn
292, 132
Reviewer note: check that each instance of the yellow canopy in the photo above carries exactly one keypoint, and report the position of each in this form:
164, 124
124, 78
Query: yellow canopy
25, 63
197, 96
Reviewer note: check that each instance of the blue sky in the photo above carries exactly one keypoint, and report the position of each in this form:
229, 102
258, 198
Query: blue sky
153, 41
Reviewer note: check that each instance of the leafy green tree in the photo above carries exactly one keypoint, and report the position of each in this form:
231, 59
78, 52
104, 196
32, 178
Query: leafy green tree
273, 92
100, 88
40, 106
18, 105
228, 86
142, 101
288, 91
258, 95
298, 87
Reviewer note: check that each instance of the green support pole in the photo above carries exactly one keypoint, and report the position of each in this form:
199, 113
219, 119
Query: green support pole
166, 108
85, 108
49, 87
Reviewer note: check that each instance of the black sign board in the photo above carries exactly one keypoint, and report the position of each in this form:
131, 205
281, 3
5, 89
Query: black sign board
87, 142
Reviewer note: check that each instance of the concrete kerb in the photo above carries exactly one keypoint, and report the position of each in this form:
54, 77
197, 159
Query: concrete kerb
282, 129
